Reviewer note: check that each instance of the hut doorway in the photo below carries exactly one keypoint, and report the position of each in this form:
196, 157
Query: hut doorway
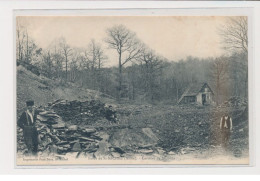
203, 99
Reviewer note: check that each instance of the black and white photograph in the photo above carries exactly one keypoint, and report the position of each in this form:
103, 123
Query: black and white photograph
132, 90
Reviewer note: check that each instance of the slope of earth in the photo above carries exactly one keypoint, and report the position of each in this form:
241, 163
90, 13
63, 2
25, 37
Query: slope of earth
43, 90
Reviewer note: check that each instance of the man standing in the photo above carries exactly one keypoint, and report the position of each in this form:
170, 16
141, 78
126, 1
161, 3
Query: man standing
110, 114
225, 127
27, 123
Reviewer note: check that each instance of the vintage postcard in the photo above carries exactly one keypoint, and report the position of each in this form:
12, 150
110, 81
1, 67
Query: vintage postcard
132, 90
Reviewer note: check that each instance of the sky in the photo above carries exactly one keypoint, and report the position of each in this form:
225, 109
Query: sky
174, 37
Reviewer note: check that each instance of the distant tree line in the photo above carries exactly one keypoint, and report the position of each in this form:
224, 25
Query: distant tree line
141, 74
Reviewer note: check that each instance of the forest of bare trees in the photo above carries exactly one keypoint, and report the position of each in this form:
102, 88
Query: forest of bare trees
141, 74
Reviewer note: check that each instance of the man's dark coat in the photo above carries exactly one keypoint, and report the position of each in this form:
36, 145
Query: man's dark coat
29, 130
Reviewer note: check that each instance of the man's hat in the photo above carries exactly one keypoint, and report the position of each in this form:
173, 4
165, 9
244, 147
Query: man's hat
29, 103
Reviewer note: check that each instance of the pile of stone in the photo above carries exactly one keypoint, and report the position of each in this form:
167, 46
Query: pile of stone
57, 134
234, 102
20, 142
83, 111
57, 137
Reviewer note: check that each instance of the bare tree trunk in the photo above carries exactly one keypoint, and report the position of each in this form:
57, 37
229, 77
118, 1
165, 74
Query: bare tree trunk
27, 47
66, 61
99, 63
246, 84
120, 76
133, 91
177, 91
49, 64
19, 45
218, 90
